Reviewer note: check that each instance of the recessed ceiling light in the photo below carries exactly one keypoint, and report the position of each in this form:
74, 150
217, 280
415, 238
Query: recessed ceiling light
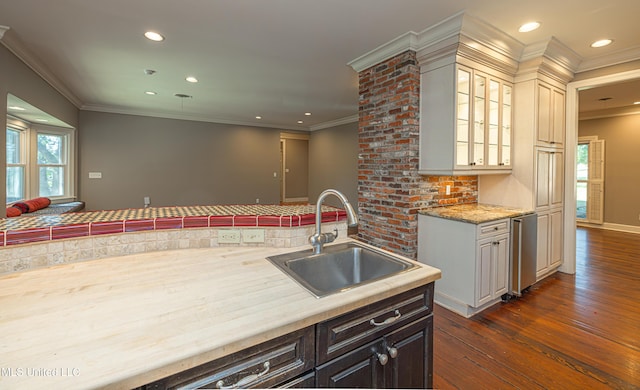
151, 93
17, 108
183, 95
307, 113
529, 27
191, 79
41, 120
154, 36
636, 102
601, 43
149, 72
300, 122
258, 117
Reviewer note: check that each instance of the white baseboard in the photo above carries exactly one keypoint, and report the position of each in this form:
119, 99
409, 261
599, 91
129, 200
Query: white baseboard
612, 226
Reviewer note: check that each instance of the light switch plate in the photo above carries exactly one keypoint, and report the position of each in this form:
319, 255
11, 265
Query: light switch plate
95, 175
253, 235
229, 236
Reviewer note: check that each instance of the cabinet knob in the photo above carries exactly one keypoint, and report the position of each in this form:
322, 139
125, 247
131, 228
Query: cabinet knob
393, 352
383, 358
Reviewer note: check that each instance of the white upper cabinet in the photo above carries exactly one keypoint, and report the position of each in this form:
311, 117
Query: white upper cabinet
551, 115
465, 122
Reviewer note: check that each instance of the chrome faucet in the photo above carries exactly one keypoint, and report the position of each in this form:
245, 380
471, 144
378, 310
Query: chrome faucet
319, 238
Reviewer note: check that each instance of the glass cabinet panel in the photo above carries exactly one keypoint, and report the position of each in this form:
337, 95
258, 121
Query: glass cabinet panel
463, 116
505, 155
479, 94
494, 122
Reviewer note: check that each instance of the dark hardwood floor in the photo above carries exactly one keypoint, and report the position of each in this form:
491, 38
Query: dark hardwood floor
577, 331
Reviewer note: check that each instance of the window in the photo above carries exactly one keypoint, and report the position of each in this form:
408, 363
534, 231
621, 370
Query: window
39, 162
16, 165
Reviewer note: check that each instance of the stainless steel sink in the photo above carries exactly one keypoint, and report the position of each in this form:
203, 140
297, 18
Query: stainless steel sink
339, 267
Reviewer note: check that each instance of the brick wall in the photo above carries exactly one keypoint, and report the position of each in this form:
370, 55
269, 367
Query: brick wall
390, 190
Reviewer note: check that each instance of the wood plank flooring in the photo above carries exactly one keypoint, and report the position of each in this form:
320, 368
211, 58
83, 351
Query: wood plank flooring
577, 331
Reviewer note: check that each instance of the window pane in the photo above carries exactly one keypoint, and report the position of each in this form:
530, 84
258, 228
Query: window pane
51, 181
50, 149
13, 146
581, 200
582, 168
15, 184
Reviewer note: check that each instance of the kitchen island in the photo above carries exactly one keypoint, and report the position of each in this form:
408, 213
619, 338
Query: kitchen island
124, 321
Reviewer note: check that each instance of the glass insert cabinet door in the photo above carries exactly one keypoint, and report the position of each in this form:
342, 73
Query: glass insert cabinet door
483, 120
463, 115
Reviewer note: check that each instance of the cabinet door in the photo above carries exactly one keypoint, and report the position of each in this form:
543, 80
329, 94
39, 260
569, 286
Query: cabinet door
555, 237
556, 179
544, 114
500, 266
483, 272
410, 349
543, 179
360, 368
558, 118
480, 88
542, 263
463, 117
505, 120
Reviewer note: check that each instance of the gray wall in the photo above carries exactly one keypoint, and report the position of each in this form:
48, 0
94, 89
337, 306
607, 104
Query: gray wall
333, 162
175, 162
622, 163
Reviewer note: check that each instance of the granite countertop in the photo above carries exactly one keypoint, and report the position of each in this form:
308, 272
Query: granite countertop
474, 213
122, 322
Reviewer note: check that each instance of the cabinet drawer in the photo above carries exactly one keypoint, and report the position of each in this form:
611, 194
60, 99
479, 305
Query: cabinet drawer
265, 365
492, 228
352, 330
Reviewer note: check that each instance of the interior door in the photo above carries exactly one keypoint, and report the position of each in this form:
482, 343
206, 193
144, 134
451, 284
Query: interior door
295, 168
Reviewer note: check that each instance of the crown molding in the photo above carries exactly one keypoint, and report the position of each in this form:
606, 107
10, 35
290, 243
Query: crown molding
3, 29
616, 58
189, 117
334, 123
9, 39
460, 32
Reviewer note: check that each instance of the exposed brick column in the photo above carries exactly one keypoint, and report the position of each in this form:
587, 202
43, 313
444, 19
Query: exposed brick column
389, 186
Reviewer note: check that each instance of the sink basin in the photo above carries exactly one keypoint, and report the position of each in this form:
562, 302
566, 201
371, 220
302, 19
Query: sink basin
339, 267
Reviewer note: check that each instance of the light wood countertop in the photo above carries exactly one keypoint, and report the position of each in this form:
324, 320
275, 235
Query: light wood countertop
125, 321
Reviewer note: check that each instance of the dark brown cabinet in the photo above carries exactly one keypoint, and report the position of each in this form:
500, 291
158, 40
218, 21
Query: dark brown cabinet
386, 344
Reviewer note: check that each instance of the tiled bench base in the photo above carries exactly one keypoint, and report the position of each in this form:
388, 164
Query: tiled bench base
40, 241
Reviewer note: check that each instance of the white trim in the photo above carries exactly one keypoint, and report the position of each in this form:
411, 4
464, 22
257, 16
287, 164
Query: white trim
334, 123
612, 226
569, 264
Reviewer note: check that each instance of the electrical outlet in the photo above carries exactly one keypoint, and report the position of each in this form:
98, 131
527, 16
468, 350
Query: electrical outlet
229, 236
95, 175
257, 200
448, 189
147, 201
253, 235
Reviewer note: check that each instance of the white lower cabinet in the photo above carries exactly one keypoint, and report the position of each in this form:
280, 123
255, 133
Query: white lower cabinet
492, 267
550, 245
473, 258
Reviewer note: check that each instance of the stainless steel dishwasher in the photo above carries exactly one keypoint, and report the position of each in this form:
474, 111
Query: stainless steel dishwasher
524, 248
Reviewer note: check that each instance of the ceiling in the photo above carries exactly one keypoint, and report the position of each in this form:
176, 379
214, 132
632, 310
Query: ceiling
277, 59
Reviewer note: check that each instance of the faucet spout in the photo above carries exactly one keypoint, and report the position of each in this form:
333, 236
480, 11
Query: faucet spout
319, 238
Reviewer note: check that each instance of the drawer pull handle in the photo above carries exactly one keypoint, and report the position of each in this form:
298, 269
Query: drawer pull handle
383, 358
388, 321
393, 352
246, 380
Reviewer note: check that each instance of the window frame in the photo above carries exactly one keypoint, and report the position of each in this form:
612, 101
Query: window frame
29, 136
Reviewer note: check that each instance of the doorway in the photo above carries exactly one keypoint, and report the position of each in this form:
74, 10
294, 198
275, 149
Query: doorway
573, 89
590, 180
294, 168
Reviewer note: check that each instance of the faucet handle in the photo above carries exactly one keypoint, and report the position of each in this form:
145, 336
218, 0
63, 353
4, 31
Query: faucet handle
330, 237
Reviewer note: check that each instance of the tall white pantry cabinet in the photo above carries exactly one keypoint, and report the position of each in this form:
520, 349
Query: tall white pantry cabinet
537, 180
